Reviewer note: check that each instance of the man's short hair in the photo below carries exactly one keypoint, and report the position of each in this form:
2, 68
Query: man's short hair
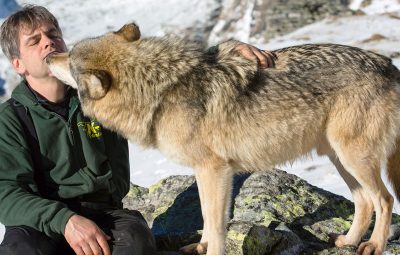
28, 17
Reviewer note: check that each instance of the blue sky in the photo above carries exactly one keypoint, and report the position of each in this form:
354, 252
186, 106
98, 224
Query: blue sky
7, 6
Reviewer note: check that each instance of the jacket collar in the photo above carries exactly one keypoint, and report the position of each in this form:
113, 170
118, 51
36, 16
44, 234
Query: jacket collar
32, 100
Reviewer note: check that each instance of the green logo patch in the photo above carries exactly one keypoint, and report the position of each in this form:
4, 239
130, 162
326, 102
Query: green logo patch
92, 128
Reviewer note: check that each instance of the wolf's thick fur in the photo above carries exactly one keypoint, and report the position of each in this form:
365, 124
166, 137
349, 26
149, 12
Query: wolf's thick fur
219, 114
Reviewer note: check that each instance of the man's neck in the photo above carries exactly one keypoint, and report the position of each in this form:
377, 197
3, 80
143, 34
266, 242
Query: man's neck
50, 88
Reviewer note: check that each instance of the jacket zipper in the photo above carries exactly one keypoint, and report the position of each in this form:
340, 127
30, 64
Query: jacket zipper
68, 124
69, 127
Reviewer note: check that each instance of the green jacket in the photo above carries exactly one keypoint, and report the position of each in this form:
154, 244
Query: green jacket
79, 157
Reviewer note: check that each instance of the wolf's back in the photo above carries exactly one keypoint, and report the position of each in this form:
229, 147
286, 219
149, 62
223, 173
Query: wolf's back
314, 71
306, 57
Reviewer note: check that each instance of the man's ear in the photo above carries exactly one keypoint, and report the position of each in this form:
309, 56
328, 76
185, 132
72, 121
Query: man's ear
130, 32
94, 85
18, 65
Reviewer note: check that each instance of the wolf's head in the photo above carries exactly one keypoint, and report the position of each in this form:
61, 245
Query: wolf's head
86, 67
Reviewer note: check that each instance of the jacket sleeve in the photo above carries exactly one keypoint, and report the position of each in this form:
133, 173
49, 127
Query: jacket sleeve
19, 202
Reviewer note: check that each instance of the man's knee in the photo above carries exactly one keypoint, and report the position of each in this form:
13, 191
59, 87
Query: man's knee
134, 234
25, 240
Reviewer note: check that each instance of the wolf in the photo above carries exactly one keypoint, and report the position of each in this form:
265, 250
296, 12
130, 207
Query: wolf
220, 114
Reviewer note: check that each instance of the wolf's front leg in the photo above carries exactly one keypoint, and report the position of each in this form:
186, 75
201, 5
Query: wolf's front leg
214, 181
201, 247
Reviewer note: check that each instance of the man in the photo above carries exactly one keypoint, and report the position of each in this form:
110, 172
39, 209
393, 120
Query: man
66, 197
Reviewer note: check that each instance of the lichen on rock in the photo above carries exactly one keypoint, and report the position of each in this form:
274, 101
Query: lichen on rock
272, 212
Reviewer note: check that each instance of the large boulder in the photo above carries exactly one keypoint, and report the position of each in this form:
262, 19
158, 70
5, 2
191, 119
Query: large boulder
272, 213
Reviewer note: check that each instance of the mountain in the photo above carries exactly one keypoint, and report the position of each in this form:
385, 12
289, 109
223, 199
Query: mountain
268, 24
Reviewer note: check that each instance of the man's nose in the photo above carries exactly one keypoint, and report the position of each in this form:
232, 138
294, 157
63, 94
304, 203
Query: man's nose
48, 42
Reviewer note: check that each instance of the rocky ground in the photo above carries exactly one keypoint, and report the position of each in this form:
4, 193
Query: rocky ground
272, 213
270, 18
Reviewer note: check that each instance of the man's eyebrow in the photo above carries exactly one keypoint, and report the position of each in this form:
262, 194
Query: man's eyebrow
31, 38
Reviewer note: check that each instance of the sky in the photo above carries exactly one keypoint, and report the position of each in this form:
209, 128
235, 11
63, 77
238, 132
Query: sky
82, 19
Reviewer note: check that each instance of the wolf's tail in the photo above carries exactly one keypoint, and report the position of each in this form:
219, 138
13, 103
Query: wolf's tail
393, 169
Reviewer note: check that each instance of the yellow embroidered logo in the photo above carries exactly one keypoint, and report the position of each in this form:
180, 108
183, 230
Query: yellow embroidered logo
92, 129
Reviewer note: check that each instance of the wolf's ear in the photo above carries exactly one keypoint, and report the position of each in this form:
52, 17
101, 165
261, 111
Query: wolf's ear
95, 84
129, 32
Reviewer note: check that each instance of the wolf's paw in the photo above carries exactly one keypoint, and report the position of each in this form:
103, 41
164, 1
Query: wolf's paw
340, 240
337, 240
370, 248
194, 248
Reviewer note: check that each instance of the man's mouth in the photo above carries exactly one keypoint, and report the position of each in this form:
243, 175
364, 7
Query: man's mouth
51, 53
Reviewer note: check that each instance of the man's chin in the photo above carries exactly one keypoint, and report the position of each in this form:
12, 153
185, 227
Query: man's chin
51, 76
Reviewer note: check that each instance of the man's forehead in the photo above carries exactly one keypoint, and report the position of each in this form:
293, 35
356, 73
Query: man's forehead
27, 30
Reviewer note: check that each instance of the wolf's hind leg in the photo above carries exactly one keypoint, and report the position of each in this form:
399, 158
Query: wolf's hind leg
364, 166
363, 208
214, 181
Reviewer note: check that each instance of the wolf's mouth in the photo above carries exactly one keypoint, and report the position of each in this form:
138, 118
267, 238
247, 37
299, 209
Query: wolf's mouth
50, 54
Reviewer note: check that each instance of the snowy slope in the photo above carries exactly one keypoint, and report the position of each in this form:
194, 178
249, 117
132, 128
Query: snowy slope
80, 19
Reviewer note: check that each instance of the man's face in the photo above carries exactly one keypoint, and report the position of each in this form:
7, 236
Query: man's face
34, 47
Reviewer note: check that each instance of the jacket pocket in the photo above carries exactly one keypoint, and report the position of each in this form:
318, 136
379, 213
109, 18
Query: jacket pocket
98, 179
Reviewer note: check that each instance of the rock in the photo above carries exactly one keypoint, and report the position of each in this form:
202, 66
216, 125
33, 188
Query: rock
248, 238
394, 232
265, 19
168, 204
272, 213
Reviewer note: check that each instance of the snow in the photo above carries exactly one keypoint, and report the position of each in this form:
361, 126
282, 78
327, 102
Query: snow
81, 19
148, 166
381, 6
337, 31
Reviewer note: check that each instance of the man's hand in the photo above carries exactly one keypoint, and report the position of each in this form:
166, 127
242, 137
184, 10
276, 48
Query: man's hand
266, 59
85, 237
